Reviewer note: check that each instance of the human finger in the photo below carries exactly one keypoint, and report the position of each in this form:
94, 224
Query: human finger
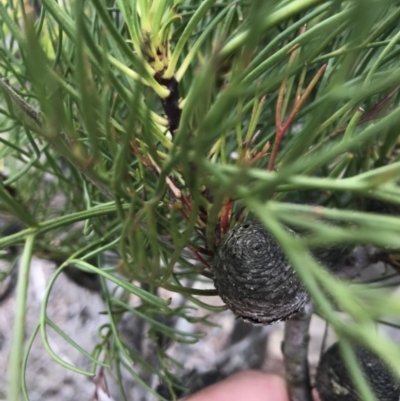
248, 385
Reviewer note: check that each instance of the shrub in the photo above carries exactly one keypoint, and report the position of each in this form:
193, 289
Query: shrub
159, 125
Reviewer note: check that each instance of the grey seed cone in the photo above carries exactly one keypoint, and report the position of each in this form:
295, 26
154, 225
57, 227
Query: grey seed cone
332, 256
381, 207
333, 381
254, 278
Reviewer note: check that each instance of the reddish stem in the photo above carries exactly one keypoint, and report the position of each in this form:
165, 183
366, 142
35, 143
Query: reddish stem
278, 125
225, 216
279, 105
298, 105
275, 149
281, 129
199, 258
186, 203
205, 251
371, 114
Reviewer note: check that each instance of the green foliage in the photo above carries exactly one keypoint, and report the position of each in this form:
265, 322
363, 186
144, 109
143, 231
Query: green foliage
160, 124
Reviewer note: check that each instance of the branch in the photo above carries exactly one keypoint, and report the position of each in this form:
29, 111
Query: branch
295, 349
26, 114
88, 174
281, 128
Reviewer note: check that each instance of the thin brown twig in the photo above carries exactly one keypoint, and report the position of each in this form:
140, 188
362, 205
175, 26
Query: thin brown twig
199, 258
371, 115
298, 105
171, 185
279, 105
281, 129
225, 216
31, 119
259, 155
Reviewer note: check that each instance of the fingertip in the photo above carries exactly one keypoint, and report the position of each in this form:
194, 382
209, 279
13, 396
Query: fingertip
249, 385
315, 395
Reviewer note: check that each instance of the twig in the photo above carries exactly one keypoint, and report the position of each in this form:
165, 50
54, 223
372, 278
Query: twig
281, 128
372, 114
31, 119
295, 349
89, 176
18, 107
304, 97
200, 258
226, 216
176, 191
